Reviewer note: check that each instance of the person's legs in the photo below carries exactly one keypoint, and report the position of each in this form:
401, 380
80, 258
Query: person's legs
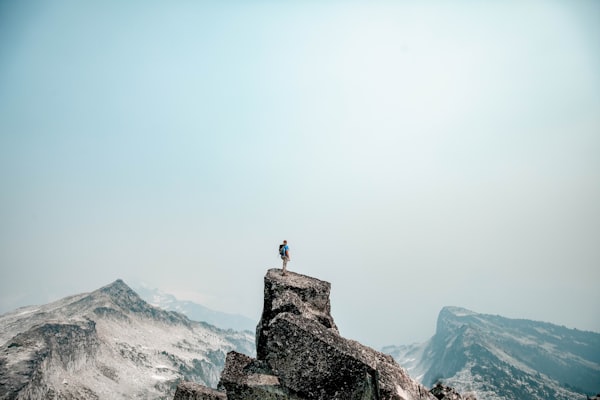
285, 260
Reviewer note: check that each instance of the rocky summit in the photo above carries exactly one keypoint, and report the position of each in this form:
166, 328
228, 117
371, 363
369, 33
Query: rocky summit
301, 355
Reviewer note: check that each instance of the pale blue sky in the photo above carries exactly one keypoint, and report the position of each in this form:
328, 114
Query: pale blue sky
414, 154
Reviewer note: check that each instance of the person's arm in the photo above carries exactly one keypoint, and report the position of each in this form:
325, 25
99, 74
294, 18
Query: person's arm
287, 253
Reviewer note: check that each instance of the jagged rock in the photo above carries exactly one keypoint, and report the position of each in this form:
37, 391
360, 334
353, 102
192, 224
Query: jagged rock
442, 392
245, 378
293, 294
301, 355
51, 346
194, 391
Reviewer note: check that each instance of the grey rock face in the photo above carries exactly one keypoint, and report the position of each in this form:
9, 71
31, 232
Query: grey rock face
246, 378
301, 356
442, 392
50, 346
194, 391
293, 294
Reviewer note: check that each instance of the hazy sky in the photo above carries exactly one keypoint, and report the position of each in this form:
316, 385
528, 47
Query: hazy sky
414, 154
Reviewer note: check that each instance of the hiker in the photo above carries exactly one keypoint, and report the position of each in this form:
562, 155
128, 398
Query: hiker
284, 252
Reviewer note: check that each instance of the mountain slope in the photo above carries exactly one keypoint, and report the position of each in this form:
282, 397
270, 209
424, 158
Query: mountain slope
502, 358
195, 311
108, 344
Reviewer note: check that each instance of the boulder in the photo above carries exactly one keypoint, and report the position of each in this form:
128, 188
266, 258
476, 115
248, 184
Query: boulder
442, 392
194, 391
246, 378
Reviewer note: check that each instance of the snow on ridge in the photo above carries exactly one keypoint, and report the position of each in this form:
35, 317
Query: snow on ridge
460, 312
401, 392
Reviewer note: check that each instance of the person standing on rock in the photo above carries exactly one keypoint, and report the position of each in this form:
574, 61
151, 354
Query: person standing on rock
284, 252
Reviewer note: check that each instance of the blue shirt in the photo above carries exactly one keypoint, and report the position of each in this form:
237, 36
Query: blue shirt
285, 249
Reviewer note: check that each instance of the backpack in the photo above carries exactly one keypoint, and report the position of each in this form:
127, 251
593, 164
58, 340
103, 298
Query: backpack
281, 250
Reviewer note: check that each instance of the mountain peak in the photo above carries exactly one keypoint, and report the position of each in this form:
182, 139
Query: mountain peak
122, 299
457, 311
452, 318
122, 295
118, 286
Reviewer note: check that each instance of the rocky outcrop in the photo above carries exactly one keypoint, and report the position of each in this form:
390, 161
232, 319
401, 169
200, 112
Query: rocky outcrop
48, 347
194, 391
247, 378
301, 355
442, 392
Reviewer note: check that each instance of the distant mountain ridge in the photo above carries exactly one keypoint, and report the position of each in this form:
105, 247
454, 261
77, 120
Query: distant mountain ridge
503, 359
195, 311
108, 344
